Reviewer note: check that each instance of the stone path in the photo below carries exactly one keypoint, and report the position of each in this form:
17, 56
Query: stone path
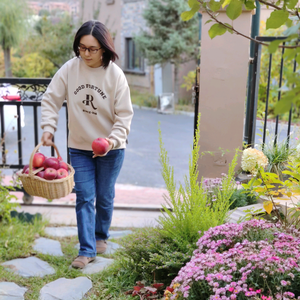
62, 288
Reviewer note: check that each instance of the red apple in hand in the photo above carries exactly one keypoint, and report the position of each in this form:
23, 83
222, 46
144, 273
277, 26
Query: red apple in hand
62, 173
38, 160
63, 165
50, 174
100, 146
51, 162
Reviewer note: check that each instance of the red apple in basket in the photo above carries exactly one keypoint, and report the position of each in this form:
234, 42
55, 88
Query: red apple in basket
27, 170
51, 162
63, 165
24, 168
41, 174
38, 160
62, 173
50, 174
100, 146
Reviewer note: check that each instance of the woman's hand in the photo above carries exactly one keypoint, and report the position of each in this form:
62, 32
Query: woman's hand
47, 139
111, 145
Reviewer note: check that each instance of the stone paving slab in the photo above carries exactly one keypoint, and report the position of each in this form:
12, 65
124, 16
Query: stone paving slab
47, 246
63, 231
239, 212
66, 289
99, 264
11, 291
29, 267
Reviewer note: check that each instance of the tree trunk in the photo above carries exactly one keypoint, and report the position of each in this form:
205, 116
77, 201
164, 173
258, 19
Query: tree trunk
176, 83
7, 62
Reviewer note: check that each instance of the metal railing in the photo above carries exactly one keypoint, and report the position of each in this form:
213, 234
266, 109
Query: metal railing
31, 91
254, 95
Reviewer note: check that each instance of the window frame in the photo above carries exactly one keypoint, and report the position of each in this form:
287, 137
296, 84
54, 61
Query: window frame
131, 54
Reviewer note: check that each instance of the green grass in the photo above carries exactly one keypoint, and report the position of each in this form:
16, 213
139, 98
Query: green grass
16, 241
143, 99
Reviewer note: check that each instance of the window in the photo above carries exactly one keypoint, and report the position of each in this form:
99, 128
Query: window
134, 58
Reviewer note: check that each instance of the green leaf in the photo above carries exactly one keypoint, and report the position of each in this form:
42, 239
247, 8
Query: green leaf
289, 23
187, 15
250, 5
208, 21
192, 3
289, 54
276, 19
234, 9
215, 5
273, 46
292, 30
283, 105
229, 29
216, 29
226, 2
291, 4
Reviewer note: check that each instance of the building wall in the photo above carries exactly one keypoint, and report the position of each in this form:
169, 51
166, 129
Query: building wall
109, 14
71, 8
132, 21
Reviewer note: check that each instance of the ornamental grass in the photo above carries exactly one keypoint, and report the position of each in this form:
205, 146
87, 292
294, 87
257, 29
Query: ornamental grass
250, 260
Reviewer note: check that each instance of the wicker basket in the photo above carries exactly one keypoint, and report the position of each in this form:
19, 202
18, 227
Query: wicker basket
49, 189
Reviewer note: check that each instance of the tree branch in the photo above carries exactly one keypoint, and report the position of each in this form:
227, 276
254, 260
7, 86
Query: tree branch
239, 33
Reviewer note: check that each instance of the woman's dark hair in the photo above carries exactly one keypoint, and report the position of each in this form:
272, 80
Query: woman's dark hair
102, 35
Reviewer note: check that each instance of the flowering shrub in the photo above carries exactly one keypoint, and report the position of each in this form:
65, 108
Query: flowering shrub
252, 160
239, 198
250, 260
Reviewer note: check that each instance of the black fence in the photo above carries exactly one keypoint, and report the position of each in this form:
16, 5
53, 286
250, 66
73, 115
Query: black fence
267, 83
30, 91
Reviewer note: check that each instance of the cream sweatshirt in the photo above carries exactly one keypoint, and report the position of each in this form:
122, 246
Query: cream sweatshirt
98, 101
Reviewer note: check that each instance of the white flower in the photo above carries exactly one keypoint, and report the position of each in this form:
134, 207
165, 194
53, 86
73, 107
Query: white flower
253, 159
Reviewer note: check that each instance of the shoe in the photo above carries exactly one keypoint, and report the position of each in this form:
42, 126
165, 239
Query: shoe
101, 246
81, 261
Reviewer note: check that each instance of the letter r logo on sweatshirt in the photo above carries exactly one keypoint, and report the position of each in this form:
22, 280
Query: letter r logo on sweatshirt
89, 101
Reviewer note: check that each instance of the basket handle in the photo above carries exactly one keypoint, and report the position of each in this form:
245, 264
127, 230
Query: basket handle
31, 172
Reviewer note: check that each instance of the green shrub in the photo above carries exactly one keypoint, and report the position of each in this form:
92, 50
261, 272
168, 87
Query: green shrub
191, 211
150, 255
6, 206
241, 197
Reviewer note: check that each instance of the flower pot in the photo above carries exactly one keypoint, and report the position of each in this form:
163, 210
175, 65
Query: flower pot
244, 177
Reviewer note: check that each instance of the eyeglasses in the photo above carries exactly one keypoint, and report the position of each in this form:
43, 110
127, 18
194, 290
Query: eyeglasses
92, 51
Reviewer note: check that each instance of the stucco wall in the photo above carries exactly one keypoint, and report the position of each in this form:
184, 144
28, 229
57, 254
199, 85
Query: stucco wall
223, 80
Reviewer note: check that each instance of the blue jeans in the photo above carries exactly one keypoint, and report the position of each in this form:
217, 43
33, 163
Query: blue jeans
94, 177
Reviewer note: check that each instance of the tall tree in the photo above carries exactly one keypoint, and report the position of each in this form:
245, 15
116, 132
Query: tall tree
168, 39
13, 14
53, 39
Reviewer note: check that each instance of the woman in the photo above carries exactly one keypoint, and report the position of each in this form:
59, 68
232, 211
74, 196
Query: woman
99, 105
